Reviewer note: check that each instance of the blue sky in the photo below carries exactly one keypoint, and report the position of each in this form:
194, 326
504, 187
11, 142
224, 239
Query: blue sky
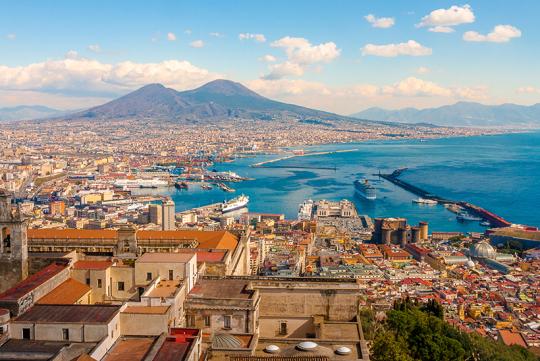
323, 54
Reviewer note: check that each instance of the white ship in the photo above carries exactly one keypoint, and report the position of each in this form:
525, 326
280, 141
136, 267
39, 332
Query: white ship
234, 204
305, 210
424, 201
140, 183
364, 189
464, 216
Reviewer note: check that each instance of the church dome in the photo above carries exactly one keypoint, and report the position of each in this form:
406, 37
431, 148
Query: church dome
482, 249
226, 341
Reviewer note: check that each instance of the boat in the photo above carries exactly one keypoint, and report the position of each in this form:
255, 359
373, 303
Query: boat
225, 188
424, 201
206, 187
464, 216
364, 189
140, 183
181, 185
234, 204
485, 224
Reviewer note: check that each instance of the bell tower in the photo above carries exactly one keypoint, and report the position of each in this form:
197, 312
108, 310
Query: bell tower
13, 243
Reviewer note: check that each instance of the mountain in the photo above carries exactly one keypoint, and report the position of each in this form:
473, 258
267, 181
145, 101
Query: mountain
461, 114
218, 99
27, 112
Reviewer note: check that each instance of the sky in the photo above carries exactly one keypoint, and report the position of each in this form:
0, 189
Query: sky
341, 56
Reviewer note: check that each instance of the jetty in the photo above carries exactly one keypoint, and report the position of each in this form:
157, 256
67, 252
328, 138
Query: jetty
494, 219
269, 163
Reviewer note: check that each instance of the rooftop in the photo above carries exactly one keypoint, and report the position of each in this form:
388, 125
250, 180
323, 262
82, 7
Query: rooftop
221, 288
165, 288
69, 314
147, 310
30, 283
50, 233
67, 293
130, 349
92, 265
206, 239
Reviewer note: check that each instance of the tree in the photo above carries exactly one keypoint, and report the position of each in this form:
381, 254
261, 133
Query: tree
387, 348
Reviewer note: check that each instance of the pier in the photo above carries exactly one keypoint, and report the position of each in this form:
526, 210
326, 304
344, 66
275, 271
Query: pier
494, 219
266, 162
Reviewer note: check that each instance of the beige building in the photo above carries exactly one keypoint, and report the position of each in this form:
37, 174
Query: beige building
166, 266
168, 220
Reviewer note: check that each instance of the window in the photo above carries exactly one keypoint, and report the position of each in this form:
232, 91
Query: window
149, 276
99, 283
120, 286
1, 330
227, 322
191, 320
26, 334
283, 328
88, 281
171, 275
65, 334
207, 321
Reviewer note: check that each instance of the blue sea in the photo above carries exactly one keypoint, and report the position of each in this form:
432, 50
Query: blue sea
500, 173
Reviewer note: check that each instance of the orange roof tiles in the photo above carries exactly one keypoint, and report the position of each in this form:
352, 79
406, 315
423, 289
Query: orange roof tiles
130, 349
67, 293
147, 310
72, 234
206, 239
92, 265
512, 338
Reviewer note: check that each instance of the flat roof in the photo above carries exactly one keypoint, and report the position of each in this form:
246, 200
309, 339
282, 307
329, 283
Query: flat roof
69, 314
130, 349
66, 293
165, 288
147, 310
172, 350
158, 257
221, 288
30, 283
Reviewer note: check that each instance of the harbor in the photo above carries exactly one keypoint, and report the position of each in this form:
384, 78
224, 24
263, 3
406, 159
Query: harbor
493, 219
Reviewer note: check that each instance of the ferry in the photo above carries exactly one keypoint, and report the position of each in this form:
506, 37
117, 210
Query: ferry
424, 201
364, 189
234, 204
140, 183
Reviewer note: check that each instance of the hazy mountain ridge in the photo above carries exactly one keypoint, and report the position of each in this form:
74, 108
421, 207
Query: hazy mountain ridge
461, 114
214, 100
28, 112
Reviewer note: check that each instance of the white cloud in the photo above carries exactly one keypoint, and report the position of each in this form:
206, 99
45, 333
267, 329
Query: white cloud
197, 44
278, 71
379, 22
300, 54
260, 38
410, 48
528, 90
95, 48
11, 36
76, 76
268, 58
441, 29
216, 34
72, 54
499, 34
455, 15
284, 87
171, 36
301, 51
423, 70
412, 86
187, 31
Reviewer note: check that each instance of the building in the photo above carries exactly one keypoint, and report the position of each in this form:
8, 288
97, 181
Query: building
168, 216
155, 214
57, 208
166, 266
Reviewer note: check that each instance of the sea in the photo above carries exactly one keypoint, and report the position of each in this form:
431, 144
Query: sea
500, 173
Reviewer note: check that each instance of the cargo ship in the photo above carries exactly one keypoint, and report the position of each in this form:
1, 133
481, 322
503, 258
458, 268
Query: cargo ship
140, 183
364, 189
234, 204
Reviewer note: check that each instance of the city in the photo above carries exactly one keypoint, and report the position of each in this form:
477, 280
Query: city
162, 211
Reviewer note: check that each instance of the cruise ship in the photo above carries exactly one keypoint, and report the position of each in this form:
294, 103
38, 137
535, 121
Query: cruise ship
364, 189
140, 183
234, 204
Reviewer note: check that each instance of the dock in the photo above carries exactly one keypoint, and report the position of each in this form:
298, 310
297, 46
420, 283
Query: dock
494, 219
266, 163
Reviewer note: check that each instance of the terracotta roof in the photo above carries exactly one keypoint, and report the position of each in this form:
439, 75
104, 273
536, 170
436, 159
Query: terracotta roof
158, 257
148, 310
130, 349
92, 265
69, 314
206, 239
512, 338
29, 284
66, 234
67, 293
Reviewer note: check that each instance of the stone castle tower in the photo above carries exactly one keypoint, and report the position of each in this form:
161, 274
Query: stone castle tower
13, 243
